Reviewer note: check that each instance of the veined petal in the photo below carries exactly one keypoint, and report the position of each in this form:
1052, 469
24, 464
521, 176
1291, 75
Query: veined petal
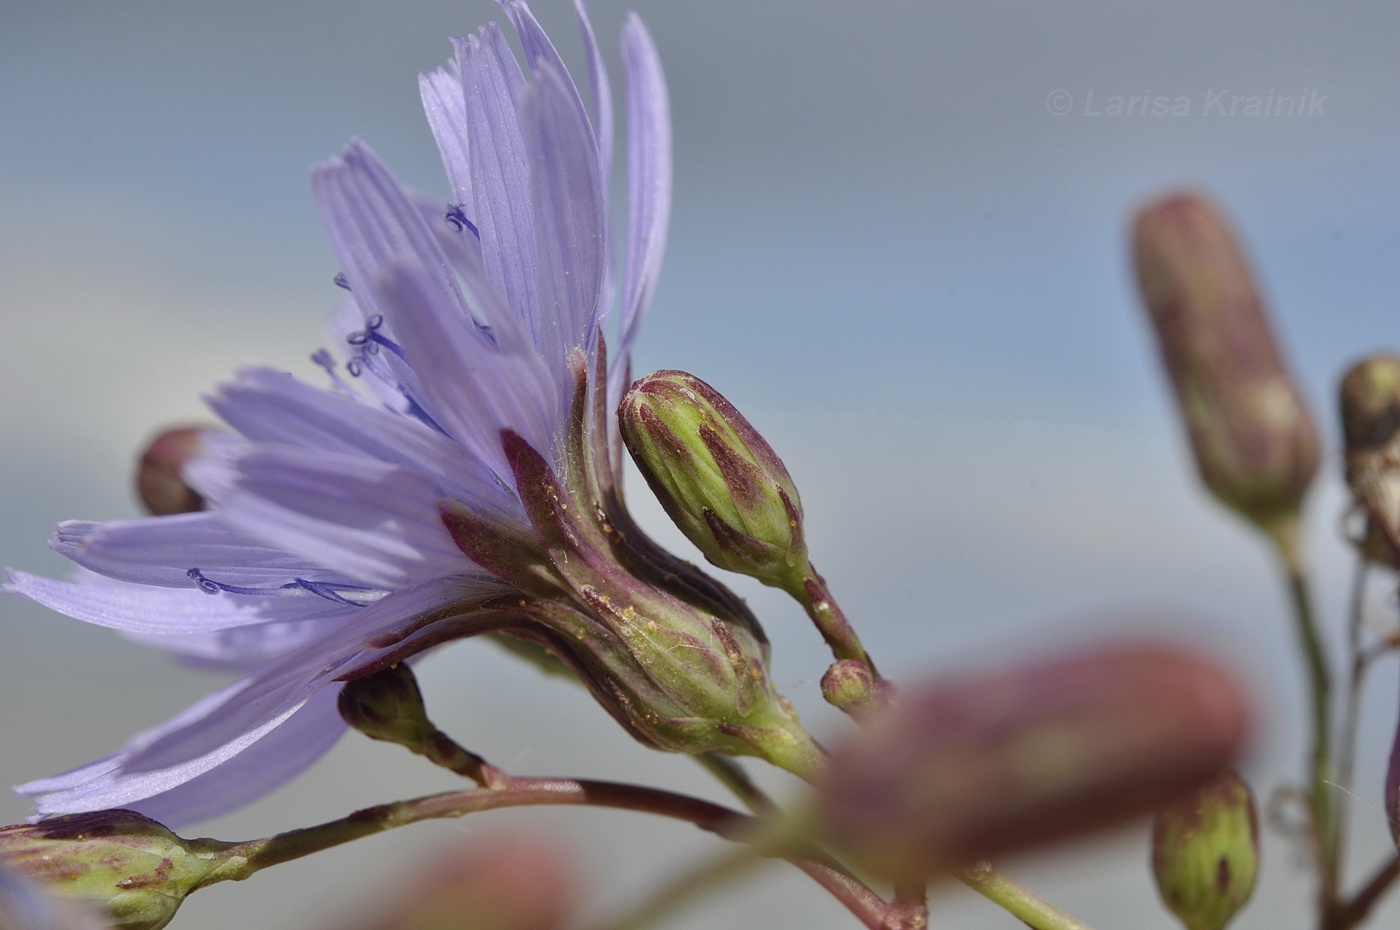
272, 406
648, 176
446, 107
602, 96
372, 221
162, 550
372, 521
482, 386
570, 218
492, 81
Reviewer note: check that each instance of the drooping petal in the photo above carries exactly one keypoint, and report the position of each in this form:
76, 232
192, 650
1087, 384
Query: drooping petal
235, 774
648, 175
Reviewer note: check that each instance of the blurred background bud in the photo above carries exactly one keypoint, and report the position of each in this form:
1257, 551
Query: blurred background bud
971, 769
1205, 853
27, 905
159, 480
387, 706
850, 686
1370, 407
1253, 439
131, 867
509, 882
718, 479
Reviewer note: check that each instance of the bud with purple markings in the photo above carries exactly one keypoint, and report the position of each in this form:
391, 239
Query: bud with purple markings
128, 865
1205, 853
718, 479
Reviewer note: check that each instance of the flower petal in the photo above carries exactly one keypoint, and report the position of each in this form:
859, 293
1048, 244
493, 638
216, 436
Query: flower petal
570, 218
446, 107
141, 608
492, 81
648, 176
368, 520
271, 406
162, 550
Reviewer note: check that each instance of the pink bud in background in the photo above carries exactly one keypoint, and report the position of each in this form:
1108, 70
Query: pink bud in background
970, 769
159, 480
505, 882
1254, 442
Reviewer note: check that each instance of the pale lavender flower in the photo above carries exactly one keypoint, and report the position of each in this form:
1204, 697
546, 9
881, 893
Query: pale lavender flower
322, 553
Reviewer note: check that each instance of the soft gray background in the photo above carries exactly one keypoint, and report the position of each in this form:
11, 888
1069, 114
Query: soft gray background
887, 248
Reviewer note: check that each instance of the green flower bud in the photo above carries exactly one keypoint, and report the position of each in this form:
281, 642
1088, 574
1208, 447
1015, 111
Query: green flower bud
1370, 406
1253, 439
387, 706
718, 479
850, 686
129, 865
1205, 853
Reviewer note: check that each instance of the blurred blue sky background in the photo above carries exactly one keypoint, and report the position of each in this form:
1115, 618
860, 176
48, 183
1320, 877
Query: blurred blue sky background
898, 244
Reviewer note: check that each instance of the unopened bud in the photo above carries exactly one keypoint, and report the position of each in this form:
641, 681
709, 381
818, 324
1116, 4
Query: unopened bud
388, 706
1253, 439
133, 868
1205, 853
972, 769
1370, 406
850, 686
159, 478
718, 479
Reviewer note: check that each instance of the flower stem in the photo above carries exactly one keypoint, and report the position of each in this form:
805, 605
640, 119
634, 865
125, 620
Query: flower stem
242, 860
1325, 825
1033, 910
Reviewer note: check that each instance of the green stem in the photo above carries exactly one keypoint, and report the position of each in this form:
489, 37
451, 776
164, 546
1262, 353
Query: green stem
815, 597
1033, 910
1327, 839
731, 774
